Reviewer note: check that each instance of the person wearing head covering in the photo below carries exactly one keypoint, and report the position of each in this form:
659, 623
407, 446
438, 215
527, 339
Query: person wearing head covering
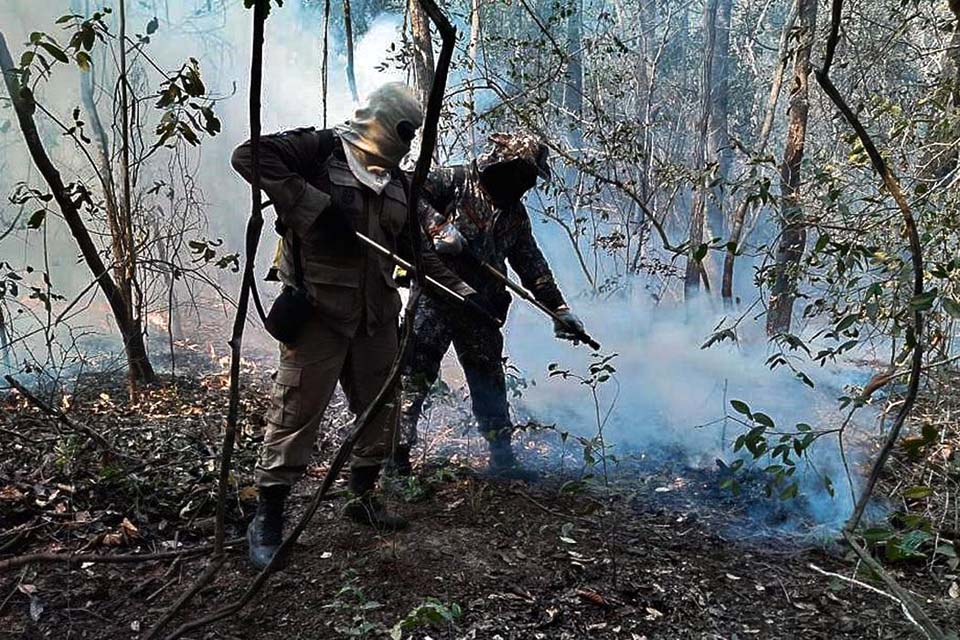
325, 185
475, 213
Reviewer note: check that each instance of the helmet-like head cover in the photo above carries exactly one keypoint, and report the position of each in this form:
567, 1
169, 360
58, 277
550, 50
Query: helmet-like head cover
510, 165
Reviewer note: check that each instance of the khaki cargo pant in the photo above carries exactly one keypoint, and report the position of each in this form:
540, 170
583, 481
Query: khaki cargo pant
302, 388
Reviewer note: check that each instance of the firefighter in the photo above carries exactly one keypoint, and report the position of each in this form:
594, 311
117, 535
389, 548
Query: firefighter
474, 213
326, 184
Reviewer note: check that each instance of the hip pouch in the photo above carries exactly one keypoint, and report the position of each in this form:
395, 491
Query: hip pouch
288, 314
292, 308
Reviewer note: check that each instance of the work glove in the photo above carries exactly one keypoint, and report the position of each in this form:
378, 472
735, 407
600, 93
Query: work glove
447, 239
567, 326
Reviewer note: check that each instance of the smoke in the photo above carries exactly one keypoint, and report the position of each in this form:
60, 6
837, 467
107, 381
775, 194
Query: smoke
669, 397
218, 35
666, 388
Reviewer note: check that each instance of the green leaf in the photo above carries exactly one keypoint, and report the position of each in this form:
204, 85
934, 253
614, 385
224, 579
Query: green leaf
923, 301
54, 51
790, 492
741, 407
37, 218
83, 60
152, 26
916, 493
700, 253
952, 307
764, 419
847, 322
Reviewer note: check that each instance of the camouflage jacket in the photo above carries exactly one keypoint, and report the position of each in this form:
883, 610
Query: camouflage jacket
496, 236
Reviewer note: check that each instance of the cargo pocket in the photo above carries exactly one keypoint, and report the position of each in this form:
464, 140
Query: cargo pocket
285, 400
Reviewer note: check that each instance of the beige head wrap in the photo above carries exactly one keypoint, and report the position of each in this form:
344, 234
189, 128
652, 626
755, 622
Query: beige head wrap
371, 136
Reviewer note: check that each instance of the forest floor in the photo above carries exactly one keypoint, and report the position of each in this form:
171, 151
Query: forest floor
657, 552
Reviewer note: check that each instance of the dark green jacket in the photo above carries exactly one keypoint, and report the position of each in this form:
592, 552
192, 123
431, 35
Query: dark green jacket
305, 174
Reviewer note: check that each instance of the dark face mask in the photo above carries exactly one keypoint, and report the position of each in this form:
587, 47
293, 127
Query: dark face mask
507, 182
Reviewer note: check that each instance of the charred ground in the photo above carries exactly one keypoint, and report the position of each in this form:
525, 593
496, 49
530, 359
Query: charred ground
660, 553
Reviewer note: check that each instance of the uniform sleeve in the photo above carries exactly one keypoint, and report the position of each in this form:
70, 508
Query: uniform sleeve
439, 191
526, 258
287, 160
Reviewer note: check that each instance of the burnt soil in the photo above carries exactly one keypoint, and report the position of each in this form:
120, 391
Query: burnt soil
553, 560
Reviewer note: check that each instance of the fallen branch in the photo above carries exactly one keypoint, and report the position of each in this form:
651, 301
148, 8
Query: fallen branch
254, 226
911, 609
553, 512
207, 575
101, 441
119, 558
868, 587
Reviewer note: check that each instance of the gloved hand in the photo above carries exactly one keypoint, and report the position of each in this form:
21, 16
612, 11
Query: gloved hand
569, 326
447, 239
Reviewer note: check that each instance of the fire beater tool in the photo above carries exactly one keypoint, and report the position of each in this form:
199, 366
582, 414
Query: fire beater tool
432, 282
582, 335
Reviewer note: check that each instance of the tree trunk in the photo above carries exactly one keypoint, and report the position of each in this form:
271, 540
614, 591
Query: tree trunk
739, 216
473, 61
348, 31
423, 66
573, 88
941, 157
695, 255
718, 142
140, 369
134, 345
793, 235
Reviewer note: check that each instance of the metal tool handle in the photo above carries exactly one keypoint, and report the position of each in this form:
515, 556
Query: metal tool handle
432, 282
582, 335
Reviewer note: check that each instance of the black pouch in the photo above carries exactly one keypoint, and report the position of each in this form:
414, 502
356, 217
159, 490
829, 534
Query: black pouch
289, 313
292, 308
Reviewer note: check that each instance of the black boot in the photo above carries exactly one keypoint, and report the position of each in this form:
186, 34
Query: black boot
265, 532
503, 464
399, 463
366, 509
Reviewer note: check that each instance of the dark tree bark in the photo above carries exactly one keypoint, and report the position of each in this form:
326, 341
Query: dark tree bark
944, 149
694, 271
140, 370
573, 88
793, 234
473, 61
134, 346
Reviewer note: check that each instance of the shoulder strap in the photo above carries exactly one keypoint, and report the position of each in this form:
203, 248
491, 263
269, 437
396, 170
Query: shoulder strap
327, 140
297, 261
